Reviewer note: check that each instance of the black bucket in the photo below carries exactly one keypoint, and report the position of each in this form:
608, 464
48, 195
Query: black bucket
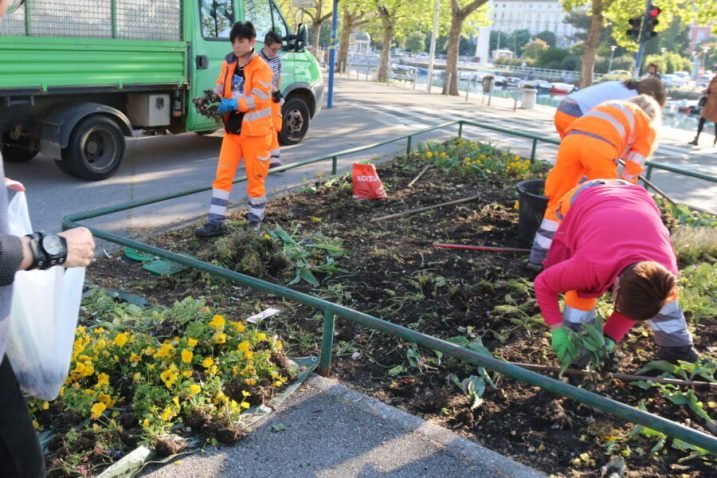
531, 208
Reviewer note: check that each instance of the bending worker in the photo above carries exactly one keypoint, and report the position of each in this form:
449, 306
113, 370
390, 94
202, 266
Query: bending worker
591, 149
577, 104
270, 54
612, 236
244, 84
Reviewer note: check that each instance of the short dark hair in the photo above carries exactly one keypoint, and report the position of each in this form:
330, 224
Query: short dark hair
243, 31
644, 289
272, 38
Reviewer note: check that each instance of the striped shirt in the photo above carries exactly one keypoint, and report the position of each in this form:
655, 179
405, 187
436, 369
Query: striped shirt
275, 65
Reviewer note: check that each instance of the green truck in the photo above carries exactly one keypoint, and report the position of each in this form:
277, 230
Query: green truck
79, 76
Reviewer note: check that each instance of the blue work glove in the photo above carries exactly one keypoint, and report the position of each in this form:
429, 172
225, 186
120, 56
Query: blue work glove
227, 106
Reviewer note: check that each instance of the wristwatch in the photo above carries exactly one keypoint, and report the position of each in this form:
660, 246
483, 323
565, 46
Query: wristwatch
48, 250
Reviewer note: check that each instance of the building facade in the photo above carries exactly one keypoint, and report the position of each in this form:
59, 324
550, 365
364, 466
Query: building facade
533, 15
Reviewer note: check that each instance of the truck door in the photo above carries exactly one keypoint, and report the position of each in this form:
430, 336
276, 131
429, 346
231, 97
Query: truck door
210, 44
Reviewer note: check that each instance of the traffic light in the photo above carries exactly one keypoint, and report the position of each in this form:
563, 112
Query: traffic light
634, 31
652, 13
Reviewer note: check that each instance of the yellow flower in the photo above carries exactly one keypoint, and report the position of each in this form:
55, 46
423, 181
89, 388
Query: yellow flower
169, 376
217, 322
36, 424
192, 342
145, 422
134, 359
266, 236
278, 344
175, 400
220, 338
244, 346
250, 381
167, 414
106, 399
149, 351
164, 351
136, 377
429, 155
99, 330
208, 362
187, 356
238, 326
278, 383
245, 405
315, 219
103, 379
195, 389
245, 393
187, 373
249, 355
261, 336
97, 410
45, 405
80, 330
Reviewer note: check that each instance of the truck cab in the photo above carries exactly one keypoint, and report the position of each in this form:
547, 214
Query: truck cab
75, 83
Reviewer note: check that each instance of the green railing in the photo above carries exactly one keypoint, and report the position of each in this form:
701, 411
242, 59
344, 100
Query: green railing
331, 310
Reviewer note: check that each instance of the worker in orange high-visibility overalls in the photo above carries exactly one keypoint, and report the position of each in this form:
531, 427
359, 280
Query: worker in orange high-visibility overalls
592, 148
270, 54
577, 104
245, 86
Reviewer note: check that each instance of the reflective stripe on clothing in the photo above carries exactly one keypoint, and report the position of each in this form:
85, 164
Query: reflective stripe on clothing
669, 326
256, 115
592, 135
636, 157
259, 93
609, 118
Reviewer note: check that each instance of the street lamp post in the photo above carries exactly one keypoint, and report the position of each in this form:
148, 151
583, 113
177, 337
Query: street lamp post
612, 52
705, 49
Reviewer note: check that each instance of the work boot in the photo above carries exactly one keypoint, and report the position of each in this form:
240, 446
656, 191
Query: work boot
686, 353
533, 267
211, 229
694, 141
253, 226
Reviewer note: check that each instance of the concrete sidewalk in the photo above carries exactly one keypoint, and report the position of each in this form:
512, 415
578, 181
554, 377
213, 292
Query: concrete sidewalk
329, 430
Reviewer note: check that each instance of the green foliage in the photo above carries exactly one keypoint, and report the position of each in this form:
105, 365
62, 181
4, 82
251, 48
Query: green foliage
669, 62
415, 42
468, 157
548, 37
695, 244
552, 58
310, 254
535, 48
499, 40
698, 292
589, 342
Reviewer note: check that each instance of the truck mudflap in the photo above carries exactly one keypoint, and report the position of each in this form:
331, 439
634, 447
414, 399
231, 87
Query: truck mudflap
55, 130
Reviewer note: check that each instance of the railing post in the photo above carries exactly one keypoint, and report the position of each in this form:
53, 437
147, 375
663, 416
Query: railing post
327, 343
460, 128
648, 176
408, 145
334, 165
532, 151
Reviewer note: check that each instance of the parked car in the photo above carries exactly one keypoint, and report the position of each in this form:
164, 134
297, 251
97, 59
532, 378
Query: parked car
513, 81
617, 75
674, 81
500, 80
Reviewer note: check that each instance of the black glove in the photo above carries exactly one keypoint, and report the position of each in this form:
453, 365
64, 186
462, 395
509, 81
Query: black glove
276, 96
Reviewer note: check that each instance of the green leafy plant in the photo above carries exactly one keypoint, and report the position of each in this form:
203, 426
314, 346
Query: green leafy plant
311, 254
698, 292
588, 348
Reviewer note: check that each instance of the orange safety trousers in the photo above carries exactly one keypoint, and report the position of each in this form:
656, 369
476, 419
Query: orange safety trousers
255, 153
580, 158
563, 122
276, 120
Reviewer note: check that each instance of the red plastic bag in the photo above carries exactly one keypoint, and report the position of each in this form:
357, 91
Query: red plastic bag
367, 184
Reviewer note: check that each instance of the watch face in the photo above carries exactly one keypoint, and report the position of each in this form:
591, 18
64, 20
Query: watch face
52, 245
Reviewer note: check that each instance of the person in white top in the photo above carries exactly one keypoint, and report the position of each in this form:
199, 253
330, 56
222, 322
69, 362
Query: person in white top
577, 104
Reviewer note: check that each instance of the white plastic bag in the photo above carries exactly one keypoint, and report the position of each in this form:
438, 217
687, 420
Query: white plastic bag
43, 318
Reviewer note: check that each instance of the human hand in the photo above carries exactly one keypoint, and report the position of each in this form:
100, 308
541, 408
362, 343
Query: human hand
227, 106
561, 344
80, 247
14, 185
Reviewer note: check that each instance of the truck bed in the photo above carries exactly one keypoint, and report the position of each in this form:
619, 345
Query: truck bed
36, 65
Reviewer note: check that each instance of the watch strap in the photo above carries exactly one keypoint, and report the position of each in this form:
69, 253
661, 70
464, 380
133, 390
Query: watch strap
39, 259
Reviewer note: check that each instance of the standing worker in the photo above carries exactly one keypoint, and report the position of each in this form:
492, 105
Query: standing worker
577, 104
591, 149
709, 111
270, 54
612, 236
244, 84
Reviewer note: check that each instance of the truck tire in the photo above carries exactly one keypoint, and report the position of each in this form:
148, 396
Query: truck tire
19, 151
295, 121
95, 149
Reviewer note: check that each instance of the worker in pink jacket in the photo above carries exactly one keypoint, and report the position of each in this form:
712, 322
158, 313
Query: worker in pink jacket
611, 236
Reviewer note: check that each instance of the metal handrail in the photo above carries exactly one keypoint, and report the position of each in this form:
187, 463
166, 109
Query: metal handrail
332, 310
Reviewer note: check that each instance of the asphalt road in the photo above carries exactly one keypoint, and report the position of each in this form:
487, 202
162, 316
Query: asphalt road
364, 113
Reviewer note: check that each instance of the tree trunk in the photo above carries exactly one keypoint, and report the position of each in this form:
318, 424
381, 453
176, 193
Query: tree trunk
386, 52
316, 30
591, 43
450, 82
346, 29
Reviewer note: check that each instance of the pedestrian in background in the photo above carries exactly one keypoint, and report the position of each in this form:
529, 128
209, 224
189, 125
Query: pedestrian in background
270, 54
577, 104
20, 452
591, 149
653, 71
709, 111
244, 84
612, 236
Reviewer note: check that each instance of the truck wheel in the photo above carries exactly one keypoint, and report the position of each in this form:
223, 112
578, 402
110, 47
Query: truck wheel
95, 149
295, 121
19, 151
